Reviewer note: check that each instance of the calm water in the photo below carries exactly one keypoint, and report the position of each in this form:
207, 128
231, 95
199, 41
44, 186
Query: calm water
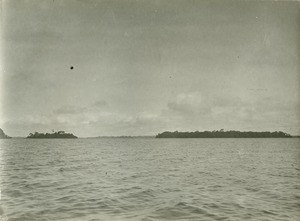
150, 179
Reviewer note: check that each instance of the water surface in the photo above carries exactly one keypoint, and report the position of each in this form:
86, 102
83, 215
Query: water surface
150, 179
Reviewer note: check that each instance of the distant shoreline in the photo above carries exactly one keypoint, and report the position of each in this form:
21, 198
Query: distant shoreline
148, 137
224, 134
166, 134
54, 135
126, 137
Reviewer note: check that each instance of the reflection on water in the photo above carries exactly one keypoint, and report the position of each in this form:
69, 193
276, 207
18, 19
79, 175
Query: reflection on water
150, 179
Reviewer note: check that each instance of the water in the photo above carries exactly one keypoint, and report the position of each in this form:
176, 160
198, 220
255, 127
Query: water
150, 179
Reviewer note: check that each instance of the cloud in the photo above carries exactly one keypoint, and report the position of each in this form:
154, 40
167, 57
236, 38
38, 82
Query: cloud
189, 103
69, 109
99, 104
72, 109
193, 111
196, 104
188, 111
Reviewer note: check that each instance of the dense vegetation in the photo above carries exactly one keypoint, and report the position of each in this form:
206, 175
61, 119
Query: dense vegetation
223, 134
59, 134
3, 135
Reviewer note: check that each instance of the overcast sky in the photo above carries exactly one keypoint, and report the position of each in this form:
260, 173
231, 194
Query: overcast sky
143, 67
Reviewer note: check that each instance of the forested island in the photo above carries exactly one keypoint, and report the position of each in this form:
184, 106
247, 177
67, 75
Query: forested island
3, 135
59, 134
224, 134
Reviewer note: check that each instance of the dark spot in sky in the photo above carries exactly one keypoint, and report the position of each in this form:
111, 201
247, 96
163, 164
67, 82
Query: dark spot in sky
71, 67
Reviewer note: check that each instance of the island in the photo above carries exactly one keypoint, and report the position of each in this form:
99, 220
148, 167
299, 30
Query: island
3, 135
223, 134
59, 134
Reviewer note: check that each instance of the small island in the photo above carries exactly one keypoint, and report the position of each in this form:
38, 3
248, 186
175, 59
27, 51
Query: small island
3, 135
59, 134
224, 134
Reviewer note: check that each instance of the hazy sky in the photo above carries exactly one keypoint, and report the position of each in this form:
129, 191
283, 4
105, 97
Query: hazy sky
143, 67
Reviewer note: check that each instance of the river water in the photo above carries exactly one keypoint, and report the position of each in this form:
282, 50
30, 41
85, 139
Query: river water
150, 179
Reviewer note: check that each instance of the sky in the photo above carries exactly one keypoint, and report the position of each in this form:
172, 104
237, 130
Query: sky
142, 67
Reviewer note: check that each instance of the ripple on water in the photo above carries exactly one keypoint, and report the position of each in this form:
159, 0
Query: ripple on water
150, 179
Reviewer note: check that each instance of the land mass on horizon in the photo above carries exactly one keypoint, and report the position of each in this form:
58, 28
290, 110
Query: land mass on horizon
223, 134
59, 134
3, 135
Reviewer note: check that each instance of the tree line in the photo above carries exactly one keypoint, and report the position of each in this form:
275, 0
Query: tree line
59, 134
223, 134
